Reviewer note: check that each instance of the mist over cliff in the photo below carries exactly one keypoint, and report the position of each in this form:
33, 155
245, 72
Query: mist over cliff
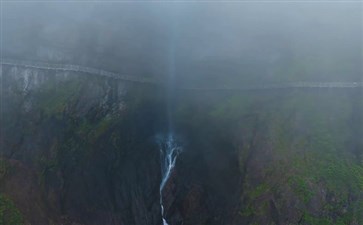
216, 42
181, 113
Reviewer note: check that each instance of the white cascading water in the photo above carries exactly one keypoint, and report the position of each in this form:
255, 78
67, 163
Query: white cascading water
169, 151
169, 147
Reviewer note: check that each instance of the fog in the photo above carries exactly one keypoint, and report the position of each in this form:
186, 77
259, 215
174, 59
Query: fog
215, 43
181, 112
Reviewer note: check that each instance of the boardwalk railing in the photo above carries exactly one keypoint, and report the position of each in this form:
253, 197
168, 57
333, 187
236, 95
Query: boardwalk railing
283, 86
76, 68
89, 70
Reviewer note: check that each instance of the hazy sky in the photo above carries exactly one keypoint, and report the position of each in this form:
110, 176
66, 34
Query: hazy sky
219, 40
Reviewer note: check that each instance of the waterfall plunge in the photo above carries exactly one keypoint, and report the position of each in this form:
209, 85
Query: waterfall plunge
169, 147
169, 151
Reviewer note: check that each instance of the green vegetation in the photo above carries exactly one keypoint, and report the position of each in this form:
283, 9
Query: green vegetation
311, 220
305, 144
301, 188
93, 142
258, 191
56, 96
293, 147
4, 168
9, 214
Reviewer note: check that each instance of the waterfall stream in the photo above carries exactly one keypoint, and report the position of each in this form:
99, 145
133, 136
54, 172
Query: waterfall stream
169, 151
169, 147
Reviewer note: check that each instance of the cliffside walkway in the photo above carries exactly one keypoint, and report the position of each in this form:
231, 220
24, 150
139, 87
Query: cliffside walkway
76, 68
89, 70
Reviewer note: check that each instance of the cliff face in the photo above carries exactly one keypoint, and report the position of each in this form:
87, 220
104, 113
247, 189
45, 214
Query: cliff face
270, 157
80, 149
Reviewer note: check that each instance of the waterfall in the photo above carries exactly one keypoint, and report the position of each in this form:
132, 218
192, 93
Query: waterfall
169, 151
169, 147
